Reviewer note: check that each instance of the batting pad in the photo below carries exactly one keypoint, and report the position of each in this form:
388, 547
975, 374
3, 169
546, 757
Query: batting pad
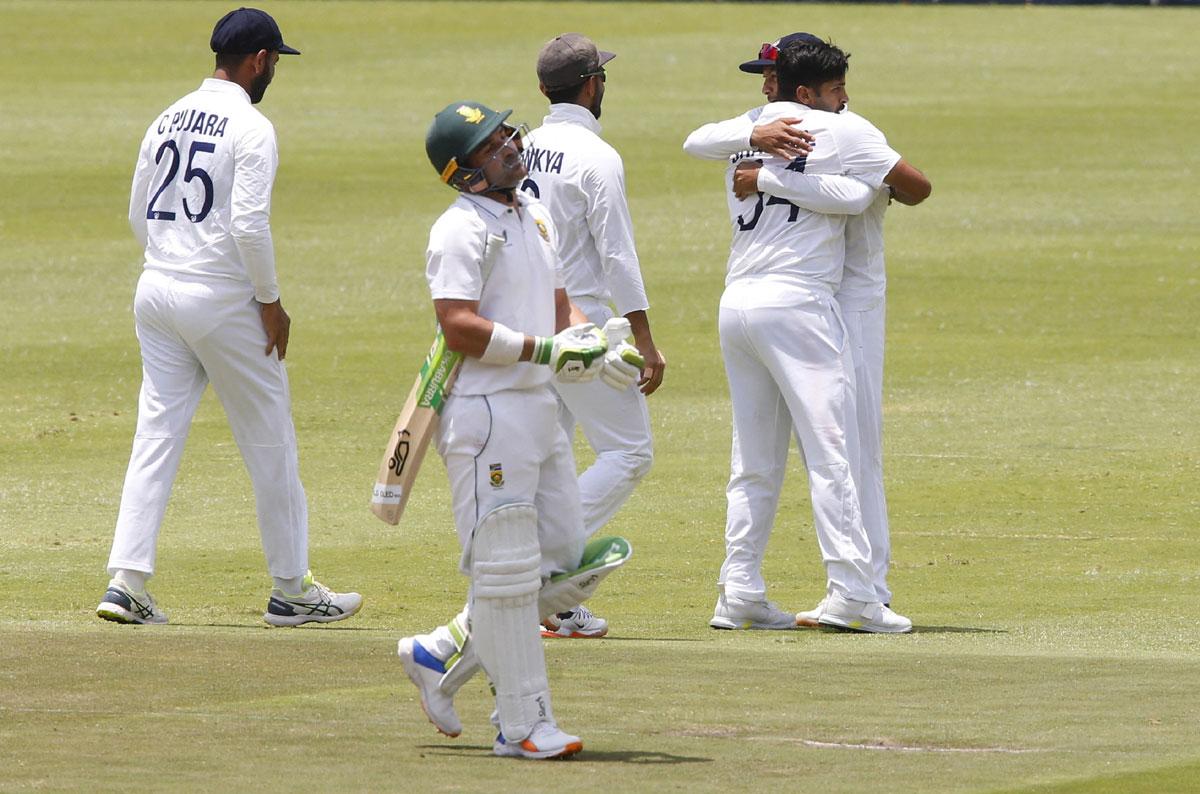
463, 665
505, 579
601, 556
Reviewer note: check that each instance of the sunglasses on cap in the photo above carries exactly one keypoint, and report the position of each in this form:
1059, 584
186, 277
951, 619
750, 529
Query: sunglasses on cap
768, 52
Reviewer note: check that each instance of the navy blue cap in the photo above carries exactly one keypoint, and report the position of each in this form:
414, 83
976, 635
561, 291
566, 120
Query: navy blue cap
246, 31
769, 52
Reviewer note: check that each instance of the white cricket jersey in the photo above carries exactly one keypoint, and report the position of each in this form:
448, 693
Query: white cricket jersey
781, 253
864, 282
721, 139
581, 180
201, 196
481, 250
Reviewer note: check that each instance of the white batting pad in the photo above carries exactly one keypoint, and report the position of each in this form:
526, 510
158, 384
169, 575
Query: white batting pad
568, 590
505, 579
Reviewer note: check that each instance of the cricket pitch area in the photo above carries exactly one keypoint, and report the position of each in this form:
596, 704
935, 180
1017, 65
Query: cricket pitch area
1042, 446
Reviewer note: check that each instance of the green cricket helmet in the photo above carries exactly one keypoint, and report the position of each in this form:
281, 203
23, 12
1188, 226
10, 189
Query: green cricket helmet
457, 130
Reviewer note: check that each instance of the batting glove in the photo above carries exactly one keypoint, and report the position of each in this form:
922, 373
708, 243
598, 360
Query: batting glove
622, 364
574, 354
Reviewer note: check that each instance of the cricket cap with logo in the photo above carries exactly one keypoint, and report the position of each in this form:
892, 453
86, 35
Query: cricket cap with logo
245, 31
767, 53
568, 60
457, 130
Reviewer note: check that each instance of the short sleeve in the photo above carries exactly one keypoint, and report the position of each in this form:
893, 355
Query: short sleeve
865, 150
454, 258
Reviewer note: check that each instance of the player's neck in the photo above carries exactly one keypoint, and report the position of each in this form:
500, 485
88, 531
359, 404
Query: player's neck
506, 196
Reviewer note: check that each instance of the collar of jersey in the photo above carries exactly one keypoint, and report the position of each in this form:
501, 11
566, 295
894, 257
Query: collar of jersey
569, 113
224, 87
491, 206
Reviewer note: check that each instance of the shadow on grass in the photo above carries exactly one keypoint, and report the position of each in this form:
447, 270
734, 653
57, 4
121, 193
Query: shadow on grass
956, 630
919, 630
642, 639
266, 627
587, 756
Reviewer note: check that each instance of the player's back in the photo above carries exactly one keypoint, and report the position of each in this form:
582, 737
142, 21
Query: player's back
777, 244
570, 169
184, 189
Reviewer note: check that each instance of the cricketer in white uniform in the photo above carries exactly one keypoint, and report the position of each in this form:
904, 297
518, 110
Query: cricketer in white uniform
861, 294
207, 310
790, 366
498, 294
581, 180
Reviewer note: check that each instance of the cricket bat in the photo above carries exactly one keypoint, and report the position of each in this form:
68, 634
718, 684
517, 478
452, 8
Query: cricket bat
410, 438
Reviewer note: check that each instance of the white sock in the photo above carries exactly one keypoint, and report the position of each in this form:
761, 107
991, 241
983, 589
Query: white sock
292, 586
133, 581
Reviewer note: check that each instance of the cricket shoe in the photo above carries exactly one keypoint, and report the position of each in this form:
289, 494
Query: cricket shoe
546, 741
578, 623
426, 671
316, 603
123, 606
735, 613
811, 618
872, 617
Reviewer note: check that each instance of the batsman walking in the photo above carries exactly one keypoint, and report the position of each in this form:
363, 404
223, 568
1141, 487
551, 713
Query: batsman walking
498, 294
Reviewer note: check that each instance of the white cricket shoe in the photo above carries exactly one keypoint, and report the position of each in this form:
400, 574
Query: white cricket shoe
316, 603
735, 613
125, 606
811, 618
578, 623
426, 670
872, 617
546, 741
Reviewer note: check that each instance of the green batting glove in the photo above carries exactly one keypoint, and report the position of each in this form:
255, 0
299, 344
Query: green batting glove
574, 354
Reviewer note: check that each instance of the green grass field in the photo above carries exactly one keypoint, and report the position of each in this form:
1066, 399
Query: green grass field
1042, 450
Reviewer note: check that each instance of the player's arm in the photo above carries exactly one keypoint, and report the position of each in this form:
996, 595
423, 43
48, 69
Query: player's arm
139, 192
255, 159
566, 313
909, 186
655, 365
722, 139
611, 226
575, 353
468, 333
869, 157
829, 194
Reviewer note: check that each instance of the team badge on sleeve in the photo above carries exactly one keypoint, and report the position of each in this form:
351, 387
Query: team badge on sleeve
542, 230
496, 475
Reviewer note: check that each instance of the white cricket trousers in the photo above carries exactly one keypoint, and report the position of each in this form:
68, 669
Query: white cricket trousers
504, 448
790, 369
191, 333
616, 425
865, 333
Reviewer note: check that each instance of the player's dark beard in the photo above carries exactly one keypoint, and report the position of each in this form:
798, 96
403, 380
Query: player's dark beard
597, 101
258, 87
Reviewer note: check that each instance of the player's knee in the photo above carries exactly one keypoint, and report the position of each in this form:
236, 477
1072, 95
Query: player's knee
634, 465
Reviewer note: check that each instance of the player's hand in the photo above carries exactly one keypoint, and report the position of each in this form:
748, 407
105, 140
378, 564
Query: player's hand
653, 369
277, 324
622, 364
781, 139
745, 178
576, 353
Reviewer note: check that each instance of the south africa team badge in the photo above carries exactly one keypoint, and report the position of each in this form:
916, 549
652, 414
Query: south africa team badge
496, 475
